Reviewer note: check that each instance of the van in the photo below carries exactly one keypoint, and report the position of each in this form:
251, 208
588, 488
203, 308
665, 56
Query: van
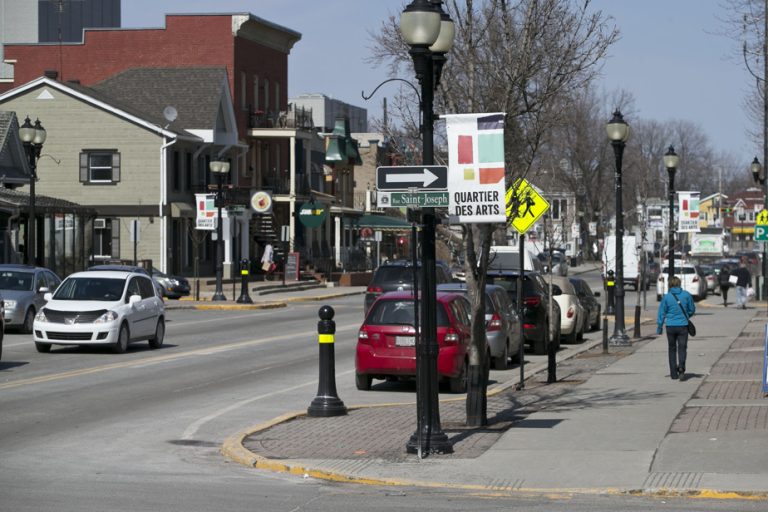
631, 255
507, 257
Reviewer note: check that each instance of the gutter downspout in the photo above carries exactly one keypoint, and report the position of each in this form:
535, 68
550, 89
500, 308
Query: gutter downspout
163, 202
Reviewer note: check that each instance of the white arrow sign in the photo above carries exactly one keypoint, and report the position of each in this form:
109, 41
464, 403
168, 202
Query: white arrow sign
426, 176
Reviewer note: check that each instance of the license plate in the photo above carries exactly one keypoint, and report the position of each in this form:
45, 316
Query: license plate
405, 341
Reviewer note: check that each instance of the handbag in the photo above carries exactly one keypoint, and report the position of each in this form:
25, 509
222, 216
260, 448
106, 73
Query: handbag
691, 327
733, 279
265, 266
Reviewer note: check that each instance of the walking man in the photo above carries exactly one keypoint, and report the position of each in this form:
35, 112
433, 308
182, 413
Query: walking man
724, 281
675, 308
743, 278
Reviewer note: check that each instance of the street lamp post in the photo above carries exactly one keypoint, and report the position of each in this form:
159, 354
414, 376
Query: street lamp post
618, 133
429, 31
757, 169
33, 138
221, 168
670, 162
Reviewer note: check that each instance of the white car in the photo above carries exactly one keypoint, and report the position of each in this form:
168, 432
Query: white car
691, 280
110, 308
573, 317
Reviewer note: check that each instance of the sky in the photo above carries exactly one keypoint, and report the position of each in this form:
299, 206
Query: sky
670, 56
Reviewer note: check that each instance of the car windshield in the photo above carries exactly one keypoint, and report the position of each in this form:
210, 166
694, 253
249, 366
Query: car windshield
399, 312
16, 281
90, 288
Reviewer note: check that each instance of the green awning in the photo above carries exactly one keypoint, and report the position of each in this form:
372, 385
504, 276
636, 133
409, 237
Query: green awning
383, 223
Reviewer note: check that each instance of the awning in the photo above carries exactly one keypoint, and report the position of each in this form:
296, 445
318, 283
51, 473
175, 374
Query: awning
383, 223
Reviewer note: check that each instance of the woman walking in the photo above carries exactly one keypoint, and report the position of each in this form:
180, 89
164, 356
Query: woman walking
675, 308
724, 280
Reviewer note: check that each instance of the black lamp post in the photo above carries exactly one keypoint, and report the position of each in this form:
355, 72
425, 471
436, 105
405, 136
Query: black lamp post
757, 171
670, 162
618, 133
221, 168
33, 138
429, 31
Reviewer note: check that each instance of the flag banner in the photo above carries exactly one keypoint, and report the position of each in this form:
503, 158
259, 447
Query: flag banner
688, 212
476, 167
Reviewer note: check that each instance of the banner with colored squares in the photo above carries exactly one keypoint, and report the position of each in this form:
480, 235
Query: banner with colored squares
476, 167
688, 212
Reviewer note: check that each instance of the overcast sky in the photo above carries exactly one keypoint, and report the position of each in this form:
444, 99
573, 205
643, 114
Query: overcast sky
668, 55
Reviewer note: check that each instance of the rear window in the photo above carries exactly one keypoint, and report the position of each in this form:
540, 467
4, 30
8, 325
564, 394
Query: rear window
509, 283
400, 312
678, 270
395, 275
16, 281
504, 261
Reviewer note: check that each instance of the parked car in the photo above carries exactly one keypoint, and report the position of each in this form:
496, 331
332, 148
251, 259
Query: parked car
709, 275
589, 302
2, 326
173, 287
559, 263
691, 280
502, 324
386, 340
748, 257
23, 288
572, 314
539, 327
112, 308
397, 275
507, 258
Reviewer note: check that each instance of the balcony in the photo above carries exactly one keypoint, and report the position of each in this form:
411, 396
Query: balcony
294, 118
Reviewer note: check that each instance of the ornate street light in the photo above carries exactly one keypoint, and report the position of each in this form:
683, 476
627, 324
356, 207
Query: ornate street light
429, 32
757, 175
33, 138
220, 168
618, 133
670, 162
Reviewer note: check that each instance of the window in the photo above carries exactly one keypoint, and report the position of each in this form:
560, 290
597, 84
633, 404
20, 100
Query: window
255, 93
277, 96
133, 288
243, 91
266, 94
100, 166
559, 209
146, 287
106, 238
188, 171
176, 172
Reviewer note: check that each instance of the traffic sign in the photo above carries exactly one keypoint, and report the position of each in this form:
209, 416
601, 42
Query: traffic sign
420, 177
424, 199
761, 226
529, 203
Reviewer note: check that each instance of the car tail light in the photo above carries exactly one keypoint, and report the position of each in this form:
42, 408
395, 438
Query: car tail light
661, 279
451, 337
695, 279
362, 336
570, 312
494, 324
374, 289
529, 326
532, 301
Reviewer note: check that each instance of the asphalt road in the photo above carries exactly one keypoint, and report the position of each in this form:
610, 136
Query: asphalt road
88, 430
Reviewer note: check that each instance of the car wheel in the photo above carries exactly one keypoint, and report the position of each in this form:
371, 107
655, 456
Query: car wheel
571, 337
580, 334
459, 383
363, 381
501, 362
596, 325
157, 340
122, 340
43, 348
29, 321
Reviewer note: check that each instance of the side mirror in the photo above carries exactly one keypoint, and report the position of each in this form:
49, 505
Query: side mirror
48, 296
597, 294
43, 289
133, 299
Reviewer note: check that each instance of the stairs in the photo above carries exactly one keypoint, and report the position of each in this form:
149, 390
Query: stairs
263, 230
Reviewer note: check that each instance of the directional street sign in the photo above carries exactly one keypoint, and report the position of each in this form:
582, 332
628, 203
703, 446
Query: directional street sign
529, 203
437, 199
420, 177
761, 226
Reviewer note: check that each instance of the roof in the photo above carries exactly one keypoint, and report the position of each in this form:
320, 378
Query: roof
195, 93
383, 223
43, 204
14, 166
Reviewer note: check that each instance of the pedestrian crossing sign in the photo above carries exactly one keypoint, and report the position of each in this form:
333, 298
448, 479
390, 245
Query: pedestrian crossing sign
761, 226
762, 218
524, 205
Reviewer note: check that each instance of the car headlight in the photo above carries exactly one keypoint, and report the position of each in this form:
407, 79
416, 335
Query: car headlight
40, 316
109, 316
174, 282
9, 304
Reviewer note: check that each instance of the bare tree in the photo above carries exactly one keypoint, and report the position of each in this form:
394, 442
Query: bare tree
522, 57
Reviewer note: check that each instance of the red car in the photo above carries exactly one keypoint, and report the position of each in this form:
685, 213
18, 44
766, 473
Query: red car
386, 341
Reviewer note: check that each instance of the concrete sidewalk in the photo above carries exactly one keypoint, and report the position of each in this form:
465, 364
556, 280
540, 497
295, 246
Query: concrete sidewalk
613, 423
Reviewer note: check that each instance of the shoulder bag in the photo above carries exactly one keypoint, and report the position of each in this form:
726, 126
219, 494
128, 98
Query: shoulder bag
691, 327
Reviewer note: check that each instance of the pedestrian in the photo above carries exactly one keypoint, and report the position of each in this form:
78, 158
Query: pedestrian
267, 260
675, 309
743, 278
724, 281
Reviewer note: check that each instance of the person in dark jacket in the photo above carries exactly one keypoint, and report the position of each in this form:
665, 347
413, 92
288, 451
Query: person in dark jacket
743, 278
671, 310
724, 281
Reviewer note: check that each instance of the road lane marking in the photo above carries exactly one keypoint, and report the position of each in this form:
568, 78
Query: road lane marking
148, 361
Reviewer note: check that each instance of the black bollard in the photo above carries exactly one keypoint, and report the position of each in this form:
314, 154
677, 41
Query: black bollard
327, 402
605, 335
244, 298
636, 334
551, 362
610, 297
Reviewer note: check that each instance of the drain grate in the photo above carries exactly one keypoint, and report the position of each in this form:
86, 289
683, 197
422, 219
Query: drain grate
678, 481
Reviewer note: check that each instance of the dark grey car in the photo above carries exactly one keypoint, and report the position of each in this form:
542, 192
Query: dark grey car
22, 288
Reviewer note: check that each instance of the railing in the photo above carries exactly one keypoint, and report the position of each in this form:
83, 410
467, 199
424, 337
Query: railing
294, 117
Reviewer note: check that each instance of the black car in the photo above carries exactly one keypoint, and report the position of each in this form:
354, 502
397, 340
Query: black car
398, 275
173, 287
589, 302
537, 324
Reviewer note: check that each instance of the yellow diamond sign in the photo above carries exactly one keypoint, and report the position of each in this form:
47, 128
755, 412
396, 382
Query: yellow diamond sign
524, 205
